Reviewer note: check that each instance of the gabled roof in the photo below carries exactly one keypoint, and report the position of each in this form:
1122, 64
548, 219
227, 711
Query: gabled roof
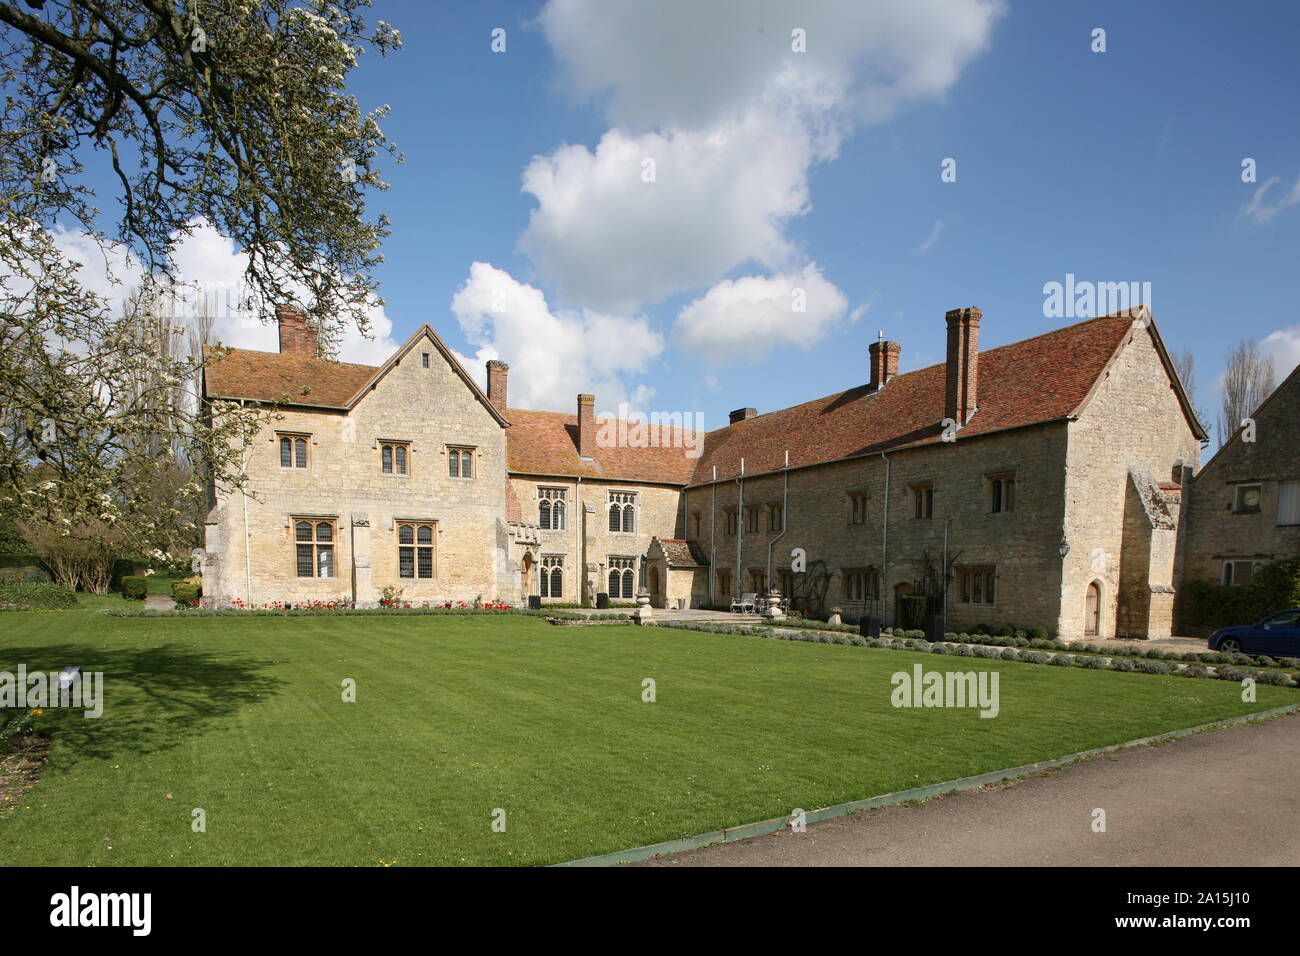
287, 379
546, 443
1050, 377
1291, 381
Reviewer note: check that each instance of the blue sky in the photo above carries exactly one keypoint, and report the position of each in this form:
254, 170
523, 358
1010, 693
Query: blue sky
1115, 166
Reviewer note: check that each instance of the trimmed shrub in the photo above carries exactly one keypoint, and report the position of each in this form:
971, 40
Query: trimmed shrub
987, 652
1093, 663
135, 587
35, 595
941, 649
1034, 657
963, 650
1010, 654
950, 636
1153, 667
1279, 678
1040, 643
185, 593
1039, 632
981, 629
195, 581
1193, 670
1062, 660
1006, 630
1121, 664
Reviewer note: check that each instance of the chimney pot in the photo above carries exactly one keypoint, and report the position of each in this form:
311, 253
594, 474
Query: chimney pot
884, 363
298, 335
961, 396
497, 375
742, 414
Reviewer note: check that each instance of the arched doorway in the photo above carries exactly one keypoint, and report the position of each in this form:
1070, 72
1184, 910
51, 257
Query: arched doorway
901, 590
655, 583
1092, 611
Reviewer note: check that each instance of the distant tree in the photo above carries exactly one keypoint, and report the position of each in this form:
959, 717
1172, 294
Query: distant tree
1247, 381
1185, 364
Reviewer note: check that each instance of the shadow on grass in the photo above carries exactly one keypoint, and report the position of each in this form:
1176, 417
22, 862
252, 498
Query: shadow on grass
153, 699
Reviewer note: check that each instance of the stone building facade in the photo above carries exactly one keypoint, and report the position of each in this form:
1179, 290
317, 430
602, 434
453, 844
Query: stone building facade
1243, 507
1037, 483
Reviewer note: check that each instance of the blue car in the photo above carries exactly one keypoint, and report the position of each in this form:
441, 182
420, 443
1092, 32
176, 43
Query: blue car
1278, 635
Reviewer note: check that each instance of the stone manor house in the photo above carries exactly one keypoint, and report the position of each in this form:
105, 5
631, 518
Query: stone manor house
1040, 480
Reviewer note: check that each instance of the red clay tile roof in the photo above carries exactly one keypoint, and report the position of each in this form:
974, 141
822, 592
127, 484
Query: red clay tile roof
546, 443
277, 377
1042, 379
1036, 380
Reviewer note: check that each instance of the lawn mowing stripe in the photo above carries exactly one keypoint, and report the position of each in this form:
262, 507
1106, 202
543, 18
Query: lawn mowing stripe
763, 827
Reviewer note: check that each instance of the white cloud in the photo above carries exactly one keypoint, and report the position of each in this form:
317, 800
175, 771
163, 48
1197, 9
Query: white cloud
552, 355
1283, 347
743, 319
688, 64
1260, 210
209, 264
720, 198
734, 120
939, 226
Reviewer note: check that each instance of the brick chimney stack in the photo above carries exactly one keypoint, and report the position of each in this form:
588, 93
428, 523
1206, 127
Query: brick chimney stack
298, 335
742, 414
884, 362
961, 397
497, 373
587, 426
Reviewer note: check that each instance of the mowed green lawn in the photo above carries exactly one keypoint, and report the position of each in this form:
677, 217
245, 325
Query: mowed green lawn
458, 716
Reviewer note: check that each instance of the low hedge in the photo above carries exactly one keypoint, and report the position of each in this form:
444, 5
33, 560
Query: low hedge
368, 612
35, 595
810, 625
26, 573
1088, 662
